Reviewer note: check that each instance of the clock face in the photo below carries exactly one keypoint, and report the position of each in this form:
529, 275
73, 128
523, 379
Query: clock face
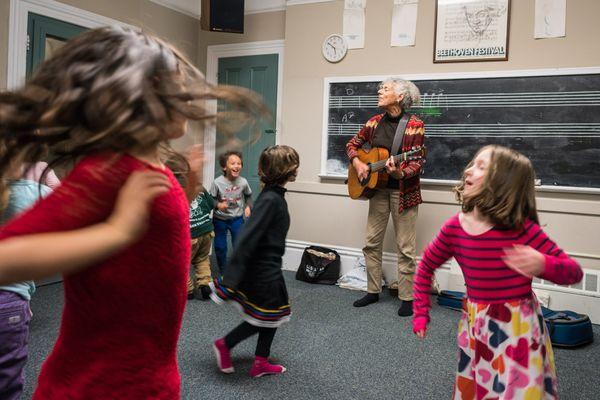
335, 48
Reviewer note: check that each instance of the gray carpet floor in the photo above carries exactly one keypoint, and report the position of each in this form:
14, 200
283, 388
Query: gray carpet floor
331, 350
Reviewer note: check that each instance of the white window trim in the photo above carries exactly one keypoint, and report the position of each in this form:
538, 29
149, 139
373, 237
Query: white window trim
300, 2
213, 54
327, 81
17, 30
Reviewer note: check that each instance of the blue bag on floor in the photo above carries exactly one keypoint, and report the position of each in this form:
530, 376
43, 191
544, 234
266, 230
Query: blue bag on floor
567, 328
451, 299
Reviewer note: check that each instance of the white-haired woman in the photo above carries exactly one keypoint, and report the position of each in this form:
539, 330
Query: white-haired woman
401, 197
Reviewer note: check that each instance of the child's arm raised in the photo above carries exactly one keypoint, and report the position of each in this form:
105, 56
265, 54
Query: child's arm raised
35, 256
541, 257
437, 253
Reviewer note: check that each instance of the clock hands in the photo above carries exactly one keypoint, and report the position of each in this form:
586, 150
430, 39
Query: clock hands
333, 47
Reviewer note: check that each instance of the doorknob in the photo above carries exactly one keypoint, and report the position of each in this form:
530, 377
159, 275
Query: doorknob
270, 131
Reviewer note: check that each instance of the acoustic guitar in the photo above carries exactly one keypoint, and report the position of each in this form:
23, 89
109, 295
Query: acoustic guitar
376, 158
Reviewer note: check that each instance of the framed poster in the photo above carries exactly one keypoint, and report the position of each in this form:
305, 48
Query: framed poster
471, 30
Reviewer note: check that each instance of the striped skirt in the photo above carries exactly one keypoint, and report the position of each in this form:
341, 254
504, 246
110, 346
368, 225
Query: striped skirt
260, 304
504, 352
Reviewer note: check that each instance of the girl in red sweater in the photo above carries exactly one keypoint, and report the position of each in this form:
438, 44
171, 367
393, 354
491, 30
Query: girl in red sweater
108, 103
504, 347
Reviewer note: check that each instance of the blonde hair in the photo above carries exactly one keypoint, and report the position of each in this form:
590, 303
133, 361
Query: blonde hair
277, 164
507, 194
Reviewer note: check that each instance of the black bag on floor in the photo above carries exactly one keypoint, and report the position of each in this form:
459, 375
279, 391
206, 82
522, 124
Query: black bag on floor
319, 265
567, 328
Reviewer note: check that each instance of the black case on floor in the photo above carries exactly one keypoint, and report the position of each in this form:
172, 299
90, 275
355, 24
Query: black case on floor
567, 328
451, 299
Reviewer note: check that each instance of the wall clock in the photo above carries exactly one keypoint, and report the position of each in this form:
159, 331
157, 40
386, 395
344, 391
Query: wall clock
335, 48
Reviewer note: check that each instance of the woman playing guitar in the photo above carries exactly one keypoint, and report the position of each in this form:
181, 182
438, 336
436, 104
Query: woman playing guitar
401, 195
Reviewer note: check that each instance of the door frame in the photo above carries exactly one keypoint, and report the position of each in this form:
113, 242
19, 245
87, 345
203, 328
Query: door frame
17, 30
213, 54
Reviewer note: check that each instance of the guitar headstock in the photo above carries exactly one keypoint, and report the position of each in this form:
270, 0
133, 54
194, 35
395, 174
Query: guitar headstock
415, 153
422, 150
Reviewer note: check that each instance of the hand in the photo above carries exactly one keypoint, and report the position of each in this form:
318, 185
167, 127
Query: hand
247, 212
132, 208
222, 205
421, 334
392, 169
195, 157
525, 260
361, 168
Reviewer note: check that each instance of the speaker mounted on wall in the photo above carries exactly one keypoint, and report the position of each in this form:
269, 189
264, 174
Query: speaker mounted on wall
222, 16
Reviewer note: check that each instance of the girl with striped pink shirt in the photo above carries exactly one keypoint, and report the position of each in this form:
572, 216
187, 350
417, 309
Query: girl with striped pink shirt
504, 347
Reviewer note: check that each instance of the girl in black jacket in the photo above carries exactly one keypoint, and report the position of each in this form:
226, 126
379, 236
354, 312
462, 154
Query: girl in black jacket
253, 281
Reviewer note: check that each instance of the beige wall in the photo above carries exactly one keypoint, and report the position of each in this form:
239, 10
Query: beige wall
320, 210
257, 27
177, 28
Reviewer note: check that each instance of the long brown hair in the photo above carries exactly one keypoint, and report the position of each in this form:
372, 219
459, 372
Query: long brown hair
507, 194
110, 89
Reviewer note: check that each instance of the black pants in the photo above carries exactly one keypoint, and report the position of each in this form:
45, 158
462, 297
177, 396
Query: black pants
244, 330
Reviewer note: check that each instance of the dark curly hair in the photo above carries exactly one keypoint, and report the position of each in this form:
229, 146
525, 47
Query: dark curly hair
112, 89
223, 158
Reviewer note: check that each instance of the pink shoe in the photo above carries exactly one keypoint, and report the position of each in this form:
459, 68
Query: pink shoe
223, 356
262, 367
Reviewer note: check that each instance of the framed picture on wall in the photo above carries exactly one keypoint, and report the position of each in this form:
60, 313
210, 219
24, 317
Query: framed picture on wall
471, 30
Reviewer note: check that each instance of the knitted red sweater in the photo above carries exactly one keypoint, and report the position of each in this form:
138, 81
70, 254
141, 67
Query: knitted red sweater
410, 185
121, 319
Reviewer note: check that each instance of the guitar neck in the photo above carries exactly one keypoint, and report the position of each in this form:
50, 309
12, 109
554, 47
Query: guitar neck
379, 165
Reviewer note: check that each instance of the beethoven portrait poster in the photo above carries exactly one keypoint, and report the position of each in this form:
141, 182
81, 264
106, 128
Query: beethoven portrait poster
471, 30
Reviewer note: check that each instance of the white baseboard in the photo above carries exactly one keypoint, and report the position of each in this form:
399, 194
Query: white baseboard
449, 277
348, 256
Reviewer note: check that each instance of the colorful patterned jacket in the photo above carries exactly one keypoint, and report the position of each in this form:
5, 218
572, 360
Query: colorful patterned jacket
410, 185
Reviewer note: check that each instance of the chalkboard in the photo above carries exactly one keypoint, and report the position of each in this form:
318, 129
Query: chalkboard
553, 119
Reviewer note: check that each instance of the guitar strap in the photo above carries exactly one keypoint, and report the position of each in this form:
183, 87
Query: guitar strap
399, 136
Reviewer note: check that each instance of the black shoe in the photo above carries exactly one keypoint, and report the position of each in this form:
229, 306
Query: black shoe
367, 299
190, 295
406, 308
202, 292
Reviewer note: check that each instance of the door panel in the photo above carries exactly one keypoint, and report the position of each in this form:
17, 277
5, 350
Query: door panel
46, 35
258, 73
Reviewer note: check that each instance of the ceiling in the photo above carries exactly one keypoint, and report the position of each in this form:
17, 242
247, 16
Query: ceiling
192, 7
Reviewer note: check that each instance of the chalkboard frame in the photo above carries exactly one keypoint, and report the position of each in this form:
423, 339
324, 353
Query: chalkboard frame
327, 81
